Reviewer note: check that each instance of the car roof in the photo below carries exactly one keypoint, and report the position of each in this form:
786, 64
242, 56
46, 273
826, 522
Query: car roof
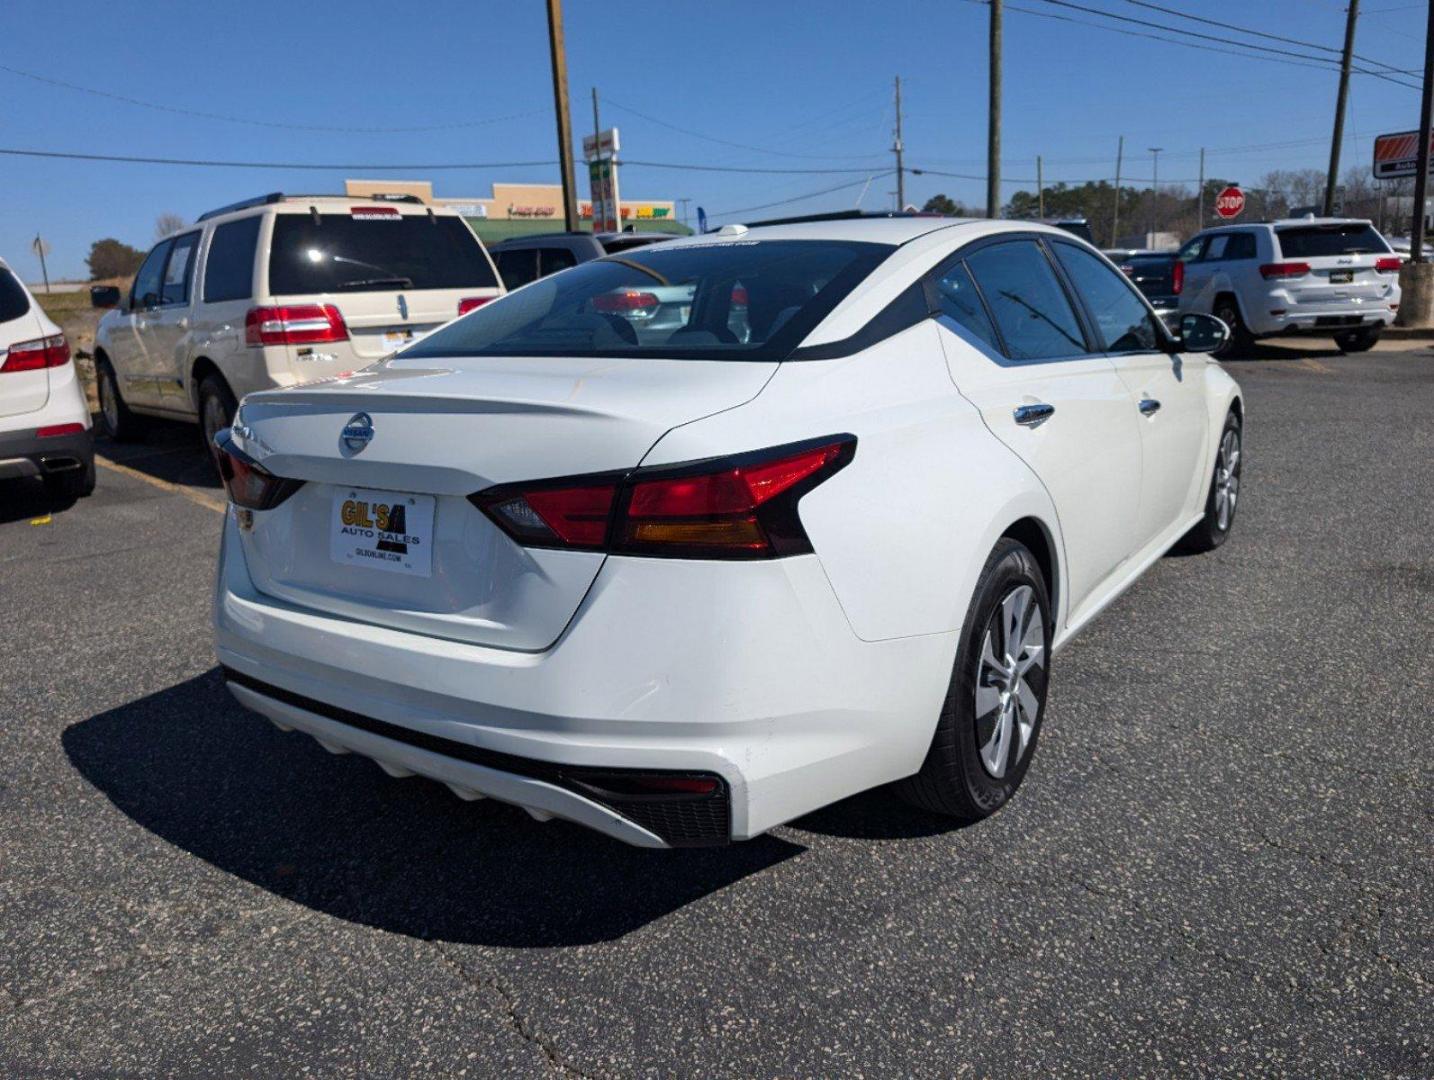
879, 230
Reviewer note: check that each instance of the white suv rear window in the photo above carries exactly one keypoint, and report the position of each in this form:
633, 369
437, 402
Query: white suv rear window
1316, 241
374, 253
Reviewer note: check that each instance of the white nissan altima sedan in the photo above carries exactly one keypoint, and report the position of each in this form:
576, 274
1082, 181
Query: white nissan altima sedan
684, 583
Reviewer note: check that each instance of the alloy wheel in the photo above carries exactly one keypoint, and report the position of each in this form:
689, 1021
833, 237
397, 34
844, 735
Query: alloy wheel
1006, 704
109, 405
1227, 480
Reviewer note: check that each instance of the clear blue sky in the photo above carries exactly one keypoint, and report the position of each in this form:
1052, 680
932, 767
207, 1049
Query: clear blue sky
808, 84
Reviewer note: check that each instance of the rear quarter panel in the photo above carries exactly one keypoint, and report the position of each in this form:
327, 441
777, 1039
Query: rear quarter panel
904, 530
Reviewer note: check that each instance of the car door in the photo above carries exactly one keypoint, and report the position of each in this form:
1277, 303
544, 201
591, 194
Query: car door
1194, 275
1018, 351
1168, 389
129, 345
169, 325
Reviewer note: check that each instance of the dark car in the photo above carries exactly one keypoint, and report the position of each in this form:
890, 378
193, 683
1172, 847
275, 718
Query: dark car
527, 258
1153, 273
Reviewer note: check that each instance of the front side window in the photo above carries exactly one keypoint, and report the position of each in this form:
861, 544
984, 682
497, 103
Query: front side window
1316, 241
1191, 251
1027, 301
1122, 320
145, 290
374, 252
179, 270
677, 302
956, 293
1215, 250
229, 267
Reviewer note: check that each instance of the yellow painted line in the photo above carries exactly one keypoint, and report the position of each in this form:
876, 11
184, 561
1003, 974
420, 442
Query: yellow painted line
203, 498
1314, 365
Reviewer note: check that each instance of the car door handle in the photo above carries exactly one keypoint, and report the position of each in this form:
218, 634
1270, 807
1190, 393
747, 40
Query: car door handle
1032, 415
1149, 406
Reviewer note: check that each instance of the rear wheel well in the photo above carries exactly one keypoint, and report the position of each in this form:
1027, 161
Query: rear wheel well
1031, 533
202, 369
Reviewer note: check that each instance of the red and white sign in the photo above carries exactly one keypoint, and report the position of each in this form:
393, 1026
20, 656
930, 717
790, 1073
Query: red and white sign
1230, 202
1397, 155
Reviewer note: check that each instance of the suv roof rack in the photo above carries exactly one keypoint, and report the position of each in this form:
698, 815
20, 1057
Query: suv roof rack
279, 196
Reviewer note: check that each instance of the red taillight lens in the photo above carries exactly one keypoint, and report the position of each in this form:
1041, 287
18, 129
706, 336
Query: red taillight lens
1177, 278
627, 300
739, 296
52, 430
37, 354
1284, 270
469, 303
1388, 264
250, 486
294, 324
742, 507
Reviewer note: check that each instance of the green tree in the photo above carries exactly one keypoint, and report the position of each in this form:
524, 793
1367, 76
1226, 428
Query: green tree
108, 258
944, 204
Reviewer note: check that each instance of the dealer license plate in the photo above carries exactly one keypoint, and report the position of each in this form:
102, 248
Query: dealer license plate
1341, 277
385, 530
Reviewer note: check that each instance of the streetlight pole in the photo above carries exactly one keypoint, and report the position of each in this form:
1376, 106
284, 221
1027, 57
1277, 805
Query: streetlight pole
1154, 189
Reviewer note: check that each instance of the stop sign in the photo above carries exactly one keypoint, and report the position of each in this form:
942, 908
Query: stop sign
1230, 202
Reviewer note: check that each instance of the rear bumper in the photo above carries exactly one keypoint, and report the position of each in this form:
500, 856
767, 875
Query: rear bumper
748, 672
1321, 318
24, 453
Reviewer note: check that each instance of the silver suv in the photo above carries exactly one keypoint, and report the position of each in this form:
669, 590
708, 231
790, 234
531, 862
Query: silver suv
1329, 276
279, 290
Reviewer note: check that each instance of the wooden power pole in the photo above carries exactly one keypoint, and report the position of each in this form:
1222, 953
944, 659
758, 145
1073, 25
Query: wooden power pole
565, 122
1115, 215
993, 123
896, 149
1421, 176
1343, 97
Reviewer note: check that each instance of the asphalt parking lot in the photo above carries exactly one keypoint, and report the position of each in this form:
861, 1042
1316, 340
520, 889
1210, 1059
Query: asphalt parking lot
1222, 862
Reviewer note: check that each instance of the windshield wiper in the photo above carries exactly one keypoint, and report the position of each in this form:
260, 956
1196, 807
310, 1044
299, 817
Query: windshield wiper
376, 282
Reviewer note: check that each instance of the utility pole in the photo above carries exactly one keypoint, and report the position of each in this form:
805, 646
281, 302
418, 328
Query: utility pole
1351, 15
896, 149
597, 126
1421, 176
40, 248
559, 54
1040, 190
1154, 189
684, 203
1200, 200
993, 122
1115, 217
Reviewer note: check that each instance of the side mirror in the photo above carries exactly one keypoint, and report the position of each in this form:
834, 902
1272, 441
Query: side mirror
104, 296
150, 301
1202, 333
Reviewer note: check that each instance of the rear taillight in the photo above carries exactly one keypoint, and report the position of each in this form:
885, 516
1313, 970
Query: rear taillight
1177, 278
37, 354
53, 430
294, 324
742, 507
249, 485
625, 302
469, 303
1389, 264
1284, 270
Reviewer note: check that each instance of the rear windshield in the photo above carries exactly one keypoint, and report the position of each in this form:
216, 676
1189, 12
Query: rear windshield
613, 244
374, 253
13, 301
1313, 241
745, 300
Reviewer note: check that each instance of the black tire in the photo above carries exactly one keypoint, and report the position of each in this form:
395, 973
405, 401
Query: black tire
216, 412
954, 780
1227, 310
71, 484
119, 423
1210, 533
1362, 340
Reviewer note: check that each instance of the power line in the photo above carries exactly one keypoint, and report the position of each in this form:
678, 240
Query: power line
261, 123
800, 198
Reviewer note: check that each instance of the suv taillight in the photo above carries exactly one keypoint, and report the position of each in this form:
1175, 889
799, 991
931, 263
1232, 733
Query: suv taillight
37, 354
249, 485
1388, 264
294, 324
742, 507
1177, 277
1284, 270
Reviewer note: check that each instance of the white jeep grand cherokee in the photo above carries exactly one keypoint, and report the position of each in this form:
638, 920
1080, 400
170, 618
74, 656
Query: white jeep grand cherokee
1328, 276
276, 291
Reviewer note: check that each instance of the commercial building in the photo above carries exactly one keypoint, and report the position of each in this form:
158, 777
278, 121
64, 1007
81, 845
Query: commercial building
520, 209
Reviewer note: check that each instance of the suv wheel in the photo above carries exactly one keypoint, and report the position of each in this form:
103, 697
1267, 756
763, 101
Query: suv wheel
1227, 310
216, 411
991, 718
1362, 340
120, 424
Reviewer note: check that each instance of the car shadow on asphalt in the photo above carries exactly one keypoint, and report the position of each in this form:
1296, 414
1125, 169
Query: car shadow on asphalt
168, 450
337, 835
27, 498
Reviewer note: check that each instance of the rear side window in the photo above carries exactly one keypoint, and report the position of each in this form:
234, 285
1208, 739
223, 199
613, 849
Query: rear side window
551, 260
1122, 320
145, 290
1315, 241
745, 300
374, 252
1030, 307
179, 270
13, 301
229, 269
517, 266
956, 293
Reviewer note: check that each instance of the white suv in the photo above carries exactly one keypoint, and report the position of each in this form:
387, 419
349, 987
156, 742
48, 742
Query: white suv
276, 291
44, 418
1329, 276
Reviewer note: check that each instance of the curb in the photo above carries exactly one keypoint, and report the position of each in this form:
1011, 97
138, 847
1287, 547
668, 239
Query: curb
1407, 333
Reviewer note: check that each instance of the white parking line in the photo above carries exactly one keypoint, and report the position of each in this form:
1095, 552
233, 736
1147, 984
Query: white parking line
203, 498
